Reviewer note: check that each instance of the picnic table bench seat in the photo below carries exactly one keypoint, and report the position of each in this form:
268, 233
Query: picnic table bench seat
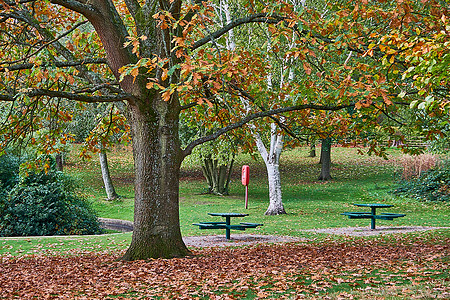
388, 216
211, 225
223, 225
226, 225
357, 215
368, 215
372, 214
251, 225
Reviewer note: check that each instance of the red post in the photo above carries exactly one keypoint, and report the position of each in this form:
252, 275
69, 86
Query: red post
245, 180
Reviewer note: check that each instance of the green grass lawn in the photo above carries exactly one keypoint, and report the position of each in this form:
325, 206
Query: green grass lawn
308, 202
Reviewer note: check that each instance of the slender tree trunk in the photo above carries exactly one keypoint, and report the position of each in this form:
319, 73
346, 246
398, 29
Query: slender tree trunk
312, 150
271, 159
157, 161
325, 158
276, 204
59, 160
107, 181
230, 170
217, 176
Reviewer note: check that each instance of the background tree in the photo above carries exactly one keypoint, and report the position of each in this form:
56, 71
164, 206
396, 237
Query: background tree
110, 129
216, 157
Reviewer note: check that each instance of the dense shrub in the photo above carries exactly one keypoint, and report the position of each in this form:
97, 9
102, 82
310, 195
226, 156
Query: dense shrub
432, 185
45, 204
9, 171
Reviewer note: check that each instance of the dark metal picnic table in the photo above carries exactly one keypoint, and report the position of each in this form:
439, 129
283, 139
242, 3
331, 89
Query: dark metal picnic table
372, 214
227, 224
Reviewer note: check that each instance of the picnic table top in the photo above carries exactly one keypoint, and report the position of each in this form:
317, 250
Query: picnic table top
228, 214
377, 205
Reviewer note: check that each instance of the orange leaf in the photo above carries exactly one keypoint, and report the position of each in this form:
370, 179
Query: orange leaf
307, 68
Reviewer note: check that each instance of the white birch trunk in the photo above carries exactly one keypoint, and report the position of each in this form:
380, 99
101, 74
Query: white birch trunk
109, 187
272, 161
231, 45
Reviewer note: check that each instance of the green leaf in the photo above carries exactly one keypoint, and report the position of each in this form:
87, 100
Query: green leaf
172, 69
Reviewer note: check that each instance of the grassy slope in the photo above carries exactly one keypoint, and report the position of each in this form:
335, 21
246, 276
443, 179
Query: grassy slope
309, 203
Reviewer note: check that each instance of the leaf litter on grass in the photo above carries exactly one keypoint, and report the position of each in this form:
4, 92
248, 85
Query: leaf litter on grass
263, 271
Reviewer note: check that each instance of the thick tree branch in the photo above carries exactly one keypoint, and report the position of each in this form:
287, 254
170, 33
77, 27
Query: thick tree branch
78, 6
259, 115
69, 96
58, 64
257, 18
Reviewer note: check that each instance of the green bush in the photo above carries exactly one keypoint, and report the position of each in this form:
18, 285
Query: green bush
45, 204
9, 171
432, 185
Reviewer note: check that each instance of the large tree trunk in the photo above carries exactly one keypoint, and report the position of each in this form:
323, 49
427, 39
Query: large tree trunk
107, 181
154, 122
154, 128
325, 159
157, 161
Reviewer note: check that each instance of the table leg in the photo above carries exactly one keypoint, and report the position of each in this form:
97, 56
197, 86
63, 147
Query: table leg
227, 230
372, 222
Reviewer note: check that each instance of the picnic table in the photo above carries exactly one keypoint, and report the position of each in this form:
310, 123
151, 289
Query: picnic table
227, 224
372, 214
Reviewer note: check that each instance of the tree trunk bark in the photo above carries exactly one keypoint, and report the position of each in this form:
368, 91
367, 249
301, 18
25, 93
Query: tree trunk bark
154, 123
276, 204
59, 160
325, 158
271, 159
312, 150
107, 181
217, 176
157, 161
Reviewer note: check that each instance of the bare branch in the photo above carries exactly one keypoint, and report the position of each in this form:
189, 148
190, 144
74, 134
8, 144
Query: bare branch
189, 105
53, 41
